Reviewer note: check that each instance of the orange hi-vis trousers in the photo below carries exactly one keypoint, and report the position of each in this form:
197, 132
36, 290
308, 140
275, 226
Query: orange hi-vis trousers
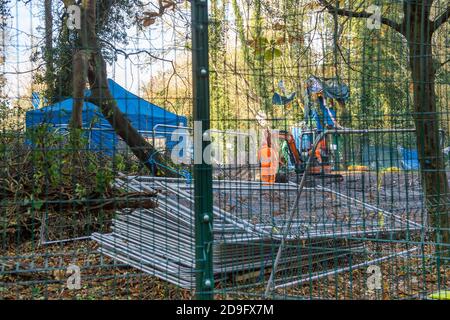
268, 158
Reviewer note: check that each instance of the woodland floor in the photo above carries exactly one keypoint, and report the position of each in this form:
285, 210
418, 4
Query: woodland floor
40, 273
28, 271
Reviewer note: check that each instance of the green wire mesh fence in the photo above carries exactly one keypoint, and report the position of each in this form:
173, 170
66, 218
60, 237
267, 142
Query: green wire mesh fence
225, 149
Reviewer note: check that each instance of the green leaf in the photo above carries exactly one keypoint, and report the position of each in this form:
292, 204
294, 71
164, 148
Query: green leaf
259, 44
277, 52
268, 55
272, 53
263, 41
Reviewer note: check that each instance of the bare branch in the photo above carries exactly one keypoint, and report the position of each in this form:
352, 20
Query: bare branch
24, 72
127, 55
439, 21
360, 14
444, 63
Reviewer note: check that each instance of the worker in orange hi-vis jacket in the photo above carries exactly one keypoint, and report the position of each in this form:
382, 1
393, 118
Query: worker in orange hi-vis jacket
269, 159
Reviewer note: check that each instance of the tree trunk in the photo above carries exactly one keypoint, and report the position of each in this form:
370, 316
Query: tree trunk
432, 164
79, 85
344, 120
49, 72
102, 97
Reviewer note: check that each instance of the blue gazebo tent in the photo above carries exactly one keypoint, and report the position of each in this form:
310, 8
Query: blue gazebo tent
143, 115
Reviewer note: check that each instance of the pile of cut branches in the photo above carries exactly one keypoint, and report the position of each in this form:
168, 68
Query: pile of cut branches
47, 173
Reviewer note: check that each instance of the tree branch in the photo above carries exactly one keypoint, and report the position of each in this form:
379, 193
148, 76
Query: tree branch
444, 63
361, 14
439, 21
127, 55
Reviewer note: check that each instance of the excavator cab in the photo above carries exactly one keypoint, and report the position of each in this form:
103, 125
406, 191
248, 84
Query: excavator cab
321, 156
296, 156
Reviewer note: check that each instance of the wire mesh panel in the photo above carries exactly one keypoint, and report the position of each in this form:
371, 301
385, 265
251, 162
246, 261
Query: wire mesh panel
242, 149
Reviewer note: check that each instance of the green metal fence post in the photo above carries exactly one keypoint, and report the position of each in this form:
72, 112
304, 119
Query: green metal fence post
202, 170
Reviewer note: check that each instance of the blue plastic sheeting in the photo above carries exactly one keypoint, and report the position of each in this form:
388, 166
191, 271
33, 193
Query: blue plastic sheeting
278, 99
378, 157
330, 88
329, 114
325, 118
384, 157
409, 159
142, 114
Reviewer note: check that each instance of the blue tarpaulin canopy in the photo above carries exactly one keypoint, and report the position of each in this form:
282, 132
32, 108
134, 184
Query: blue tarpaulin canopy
409, 159
143, 115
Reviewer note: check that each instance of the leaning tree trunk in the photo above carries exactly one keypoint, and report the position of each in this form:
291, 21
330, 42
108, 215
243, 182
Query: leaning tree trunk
101, 95
432, 164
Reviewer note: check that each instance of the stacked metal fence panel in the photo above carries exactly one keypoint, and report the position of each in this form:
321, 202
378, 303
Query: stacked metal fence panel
247, 230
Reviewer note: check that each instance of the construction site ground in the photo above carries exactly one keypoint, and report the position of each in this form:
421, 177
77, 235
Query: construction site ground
29, 271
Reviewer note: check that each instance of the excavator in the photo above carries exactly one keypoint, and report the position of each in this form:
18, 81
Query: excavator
298, 157
320, 98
